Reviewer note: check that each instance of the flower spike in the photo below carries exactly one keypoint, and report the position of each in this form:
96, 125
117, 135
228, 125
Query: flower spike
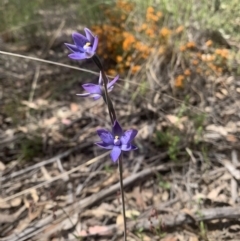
84, 47
117, 140
97, 91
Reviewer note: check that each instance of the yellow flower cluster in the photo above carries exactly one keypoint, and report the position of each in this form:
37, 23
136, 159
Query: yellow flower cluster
151, 16
210, 61
179, 81
125, 6
118, 42
126, 42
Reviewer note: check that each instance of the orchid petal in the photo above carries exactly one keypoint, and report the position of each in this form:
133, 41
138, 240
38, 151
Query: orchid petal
79, 40
72, 47
77, 56
113, 82
128, 147
133, 147
89, 35
95, 44
105, 136
128, 136
92, 88
104, 145
115, 153
89, 54
83, 95
96, 96
117, 129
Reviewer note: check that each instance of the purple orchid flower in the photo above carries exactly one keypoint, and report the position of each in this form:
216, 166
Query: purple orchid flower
117, 140
97, 91
85, 47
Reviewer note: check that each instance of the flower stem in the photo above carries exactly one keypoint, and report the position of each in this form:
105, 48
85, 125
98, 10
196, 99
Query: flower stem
122, 196
113, 117
108, 101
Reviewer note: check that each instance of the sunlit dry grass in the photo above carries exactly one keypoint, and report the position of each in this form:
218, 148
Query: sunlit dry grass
148, 33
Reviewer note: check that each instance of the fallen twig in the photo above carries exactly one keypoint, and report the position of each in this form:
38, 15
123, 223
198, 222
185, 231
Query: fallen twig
43, 163
54, 178
173, 220
180, 218
11, 218
37, 226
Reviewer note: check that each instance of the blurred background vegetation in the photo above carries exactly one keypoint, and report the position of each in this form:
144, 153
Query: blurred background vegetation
163, 46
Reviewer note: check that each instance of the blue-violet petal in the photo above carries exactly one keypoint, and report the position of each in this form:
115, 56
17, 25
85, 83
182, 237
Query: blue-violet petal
105, 136
104, 145
128, 136
92, 88
117, 129
115, 153
79, 40
77, 56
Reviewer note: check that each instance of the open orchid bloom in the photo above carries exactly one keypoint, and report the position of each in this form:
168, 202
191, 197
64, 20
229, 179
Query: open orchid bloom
117, 140
97, 91
84, 47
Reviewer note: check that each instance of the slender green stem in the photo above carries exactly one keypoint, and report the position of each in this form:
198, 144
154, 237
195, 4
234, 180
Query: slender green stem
122, 196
